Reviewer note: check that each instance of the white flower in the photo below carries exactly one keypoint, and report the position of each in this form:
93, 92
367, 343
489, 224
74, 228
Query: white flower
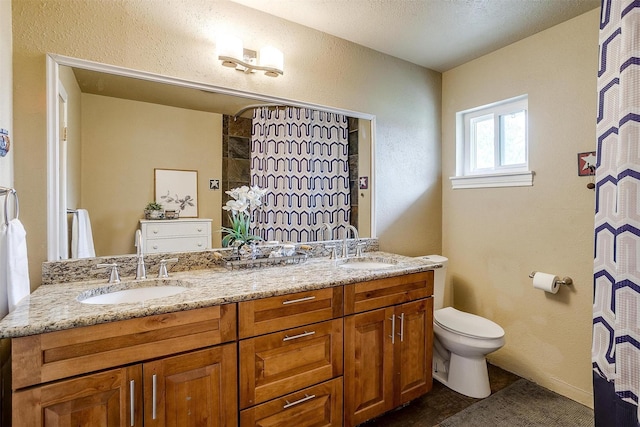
236, 206
245, 198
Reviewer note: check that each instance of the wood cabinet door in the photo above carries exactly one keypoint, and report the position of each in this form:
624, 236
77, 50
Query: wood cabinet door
96, 400
316, 406
368, 359
194, 389
283, 362
413, 350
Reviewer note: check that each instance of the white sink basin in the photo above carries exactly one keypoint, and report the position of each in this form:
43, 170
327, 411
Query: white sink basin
124, 293
367, 263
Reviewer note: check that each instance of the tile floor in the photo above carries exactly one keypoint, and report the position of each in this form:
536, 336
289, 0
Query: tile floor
440, 403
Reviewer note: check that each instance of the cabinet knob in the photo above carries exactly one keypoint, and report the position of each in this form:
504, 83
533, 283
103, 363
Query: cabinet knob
199, 244
155, 246
199, 229
155, 231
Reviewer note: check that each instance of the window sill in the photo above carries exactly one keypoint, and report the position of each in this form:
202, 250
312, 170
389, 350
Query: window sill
511, 179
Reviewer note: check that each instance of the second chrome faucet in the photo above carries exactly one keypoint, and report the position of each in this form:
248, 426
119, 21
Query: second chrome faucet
141, 271
345, 241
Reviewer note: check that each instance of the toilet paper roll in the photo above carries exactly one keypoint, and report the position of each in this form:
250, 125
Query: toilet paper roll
547, 282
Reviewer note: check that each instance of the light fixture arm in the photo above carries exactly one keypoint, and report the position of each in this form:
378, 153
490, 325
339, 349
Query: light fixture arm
249, 68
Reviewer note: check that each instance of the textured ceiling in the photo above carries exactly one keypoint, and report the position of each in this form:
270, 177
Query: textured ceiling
437, 34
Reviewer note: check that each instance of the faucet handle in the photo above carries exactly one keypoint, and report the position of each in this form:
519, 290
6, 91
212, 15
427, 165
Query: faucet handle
333, 254
162, 271
114, 275
359, 245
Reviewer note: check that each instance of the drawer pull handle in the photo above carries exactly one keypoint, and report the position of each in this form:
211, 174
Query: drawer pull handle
393, 329
297, 402
293, 301
305, 334
132, 401
153, 397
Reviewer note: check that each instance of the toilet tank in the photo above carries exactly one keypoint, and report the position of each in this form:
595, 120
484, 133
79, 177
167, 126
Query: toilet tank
439, 275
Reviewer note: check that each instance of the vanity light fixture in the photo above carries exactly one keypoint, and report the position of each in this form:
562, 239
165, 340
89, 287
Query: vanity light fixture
230, 50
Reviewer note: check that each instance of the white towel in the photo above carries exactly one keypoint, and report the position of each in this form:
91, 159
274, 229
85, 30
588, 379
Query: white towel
17, 270
4, 302
81, 236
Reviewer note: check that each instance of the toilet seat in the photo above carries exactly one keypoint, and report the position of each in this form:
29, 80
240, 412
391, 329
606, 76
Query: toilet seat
467, 324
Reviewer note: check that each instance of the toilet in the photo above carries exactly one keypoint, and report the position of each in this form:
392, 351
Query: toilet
461, 342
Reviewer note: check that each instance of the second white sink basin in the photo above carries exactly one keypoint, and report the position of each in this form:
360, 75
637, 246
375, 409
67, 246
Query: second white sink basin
367, 263
144, 291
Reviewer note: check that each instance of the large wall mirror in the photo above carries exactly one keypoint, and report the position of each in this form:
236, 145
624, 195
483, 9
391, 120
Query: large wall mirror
109, 128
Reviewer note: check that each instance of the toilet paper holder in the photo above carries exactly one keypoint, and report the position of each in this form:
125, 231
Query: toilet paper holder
563, 281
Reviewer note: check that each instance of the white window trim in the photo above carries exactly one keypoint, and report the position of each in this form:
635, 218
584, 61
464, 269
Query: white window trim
494, 180
501, 176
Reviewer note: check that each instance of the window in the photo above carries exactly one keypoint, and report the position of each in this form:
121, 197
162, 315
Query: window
492, 146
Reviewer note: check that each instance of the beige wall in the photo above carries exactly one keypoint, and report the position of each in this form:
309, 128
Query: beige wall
6, 163
495, 237
177, 39
6, 177
122, 143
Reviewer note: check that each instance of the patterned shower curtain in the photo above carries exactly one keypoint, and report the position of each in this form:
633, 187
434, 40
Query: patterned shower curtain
301, 157
616, 309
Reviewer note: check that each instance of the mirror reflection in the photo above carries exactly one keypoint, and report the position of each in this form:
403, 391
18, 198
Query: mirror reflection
117, 132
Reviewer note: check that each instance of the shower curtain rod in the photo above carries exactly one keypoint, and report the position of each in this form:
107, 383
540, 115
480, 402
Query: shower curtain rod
276, 105
252, 106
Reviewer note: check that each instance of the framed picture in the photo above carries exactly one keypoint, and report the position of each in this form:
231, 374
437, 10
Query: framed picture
587, 163
177, 190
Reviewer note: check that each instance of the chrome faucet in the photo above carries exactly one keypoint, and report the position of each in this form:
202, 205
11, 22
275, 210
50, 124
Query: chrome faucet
141, 271
326, 226
345, 241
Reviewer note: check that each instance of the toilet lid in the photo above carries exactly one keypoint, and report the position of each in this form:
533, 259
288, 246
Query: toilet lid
467, 324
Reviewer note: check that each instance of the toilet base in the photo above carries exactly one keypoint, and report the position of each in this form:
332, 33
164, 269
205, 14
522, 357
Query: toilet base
468, 376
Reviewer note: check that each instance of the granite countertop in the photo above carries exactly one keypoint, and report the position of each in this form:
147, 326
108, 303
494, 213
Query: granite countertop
56, 307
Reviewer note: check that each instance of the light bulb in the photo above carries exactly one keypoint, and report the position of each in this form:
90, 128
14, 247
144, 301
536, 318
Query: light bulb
272, 58
229, 46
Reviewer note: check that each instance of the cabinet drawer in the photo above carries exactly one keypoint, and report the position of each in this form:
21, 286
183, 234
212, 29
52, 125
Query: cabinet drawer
317, 406
174, 228
283, 362
42, 358
178, 244
288, 311
364, 296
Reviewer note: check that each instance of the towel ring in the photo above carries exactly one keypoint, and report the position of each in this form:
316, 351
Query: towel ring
16, 203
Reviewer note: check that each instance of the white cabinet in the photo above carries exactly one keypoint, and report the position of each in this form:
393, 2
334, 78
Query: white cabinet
176, 235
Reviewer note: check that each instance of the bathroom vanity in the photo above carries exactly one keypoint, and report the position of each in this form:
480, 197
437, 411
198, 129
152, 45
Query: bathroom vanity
308, 344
